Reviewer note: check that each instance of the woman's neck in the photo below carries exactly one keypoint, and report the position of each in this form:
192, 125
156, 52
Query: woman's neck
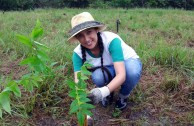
95, 51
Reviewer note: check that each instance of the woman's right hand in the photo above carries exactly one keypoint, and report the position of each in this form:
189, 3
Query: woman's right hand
97, 94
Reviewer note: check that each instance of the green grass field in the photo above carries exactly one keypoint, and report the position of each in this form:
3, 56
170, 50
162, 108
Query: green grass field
164, 40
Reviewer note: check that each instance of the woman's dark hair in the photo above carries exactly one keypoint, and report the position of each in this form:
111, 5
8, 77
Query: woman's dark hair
100, 44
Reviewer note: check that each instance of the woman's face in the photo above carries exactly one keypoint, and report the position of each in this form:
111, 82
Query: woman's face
88, 38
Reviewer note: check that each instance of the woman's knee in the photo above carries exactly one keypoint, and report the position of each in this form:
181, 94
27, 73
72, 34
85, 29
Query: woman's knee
133, 68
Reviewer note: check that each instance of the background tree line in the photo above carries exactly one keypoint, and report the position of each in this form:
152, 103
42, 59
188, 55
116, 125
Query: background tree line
31, 4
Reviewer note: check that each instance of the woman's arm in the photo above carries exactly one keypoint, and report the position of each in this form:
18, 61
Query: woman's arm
120, 76
75, 77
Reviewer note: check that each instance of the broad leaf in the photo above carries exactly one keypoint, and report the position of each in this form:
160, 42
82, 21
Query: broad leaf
84, 99
28, 60
34, 83
82, 93
80, 117
74, 109
14, 87
86, 72
37, 78
72, 94
71, 84
42, 55
74, 103
25, 40
84, 78
87, 106
5, 101
86, 112
37, 31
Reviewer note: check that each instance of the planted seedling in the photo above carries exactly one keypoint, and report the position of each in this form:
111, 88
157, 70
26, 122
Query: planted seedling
78, 91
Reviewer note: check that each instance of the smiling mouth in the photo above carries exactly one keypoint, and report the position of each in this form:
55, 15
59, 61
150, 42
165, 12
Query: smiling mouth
89, 43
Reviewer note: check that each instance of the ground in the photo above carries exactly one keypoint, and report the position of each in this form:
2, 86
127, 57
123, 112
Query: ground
158, 106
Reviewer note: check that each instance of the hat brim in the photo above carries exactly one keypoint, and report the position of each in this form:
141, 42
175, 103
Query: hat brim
90, 24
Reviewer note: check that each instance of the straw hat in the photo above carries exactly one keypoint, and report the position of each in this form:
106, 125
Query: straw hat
81, 22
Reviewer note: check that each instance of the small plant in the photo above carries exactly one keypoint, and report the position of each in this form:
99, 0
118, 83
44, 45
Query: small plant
78, 91
116, 113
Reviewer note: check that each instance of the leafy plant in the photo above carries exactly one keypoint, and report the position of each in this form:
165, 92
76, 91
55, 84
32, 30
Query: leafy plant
78, 92
38, 69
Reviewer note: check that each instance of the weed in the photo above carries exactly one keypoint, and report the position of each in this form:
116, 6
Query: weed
116, 113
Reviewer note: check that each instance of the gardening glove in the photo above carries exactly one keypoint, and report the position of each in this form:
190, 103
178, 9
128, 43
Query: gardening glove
99, 93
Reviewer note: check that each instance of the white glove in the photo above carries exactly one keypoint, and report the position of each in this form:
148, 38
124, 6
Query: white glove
99, 94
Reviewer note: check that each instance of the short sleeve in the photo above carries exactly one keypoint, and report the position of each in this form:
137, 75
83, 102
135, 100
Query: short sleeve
77, 62
115, 50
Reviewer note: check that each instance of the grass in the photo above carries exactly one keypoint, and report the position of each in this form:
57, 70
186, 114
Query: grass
163, 39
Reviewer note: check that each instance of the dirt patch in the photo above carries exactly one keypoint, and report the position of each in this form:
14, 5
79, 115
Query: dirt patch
11, 68
190, 43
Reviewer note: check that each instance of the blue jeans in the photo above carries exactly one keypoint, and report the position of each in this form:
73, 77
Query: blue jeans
133, 73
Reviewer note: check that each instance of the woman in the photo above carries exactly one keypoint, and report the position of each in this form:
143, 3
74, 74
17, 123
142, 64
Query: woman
115, 63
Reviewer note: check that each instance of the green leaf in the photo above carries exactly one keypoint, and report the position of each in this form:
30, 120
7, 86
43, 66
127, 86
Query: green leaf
79, 75
72, 94
84, 78
86, 112
26, 84
80, 117
28, 60
74, 109
14, 87
30, 86
1, 113
37, 78
37, 31
38, 65
83, 86
81, 93
74, 103
87, 64
5, 101
71, 84
86, 72
84, 99
42, 55
25, 40
7, 89
34, 83
87, 106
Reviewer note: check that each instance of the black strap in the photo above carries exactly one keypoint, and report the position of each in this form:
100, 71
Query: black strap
103, 69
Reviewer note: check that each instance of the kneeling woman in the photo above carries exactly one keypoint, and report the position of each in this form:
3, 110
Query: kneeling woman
115, 63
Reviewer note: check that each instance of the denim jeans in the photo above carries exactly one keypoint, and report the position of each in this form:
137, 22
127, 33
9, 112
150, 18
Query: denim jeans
133, 73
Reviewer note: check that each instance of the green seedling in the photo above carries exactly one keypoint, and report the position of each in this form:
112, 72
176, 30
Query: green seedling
79, 93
